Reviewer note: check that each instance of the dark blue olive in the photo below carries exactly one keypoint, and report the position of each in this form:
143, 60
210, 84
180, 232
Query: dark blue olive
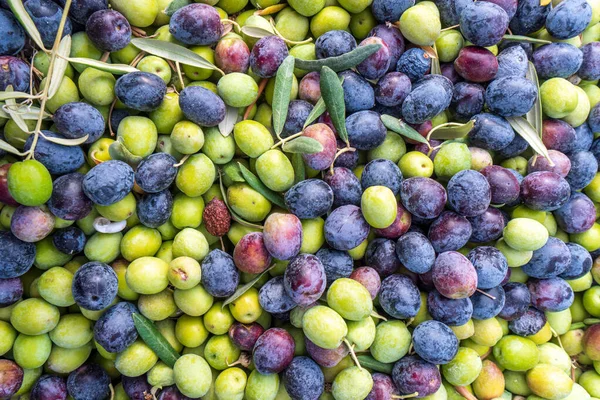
220, 276
89, 382
483, 23
94, 286
334, 43
68, 200
590, 67
557, 60
310, 198
414, 63
511, 96
77, 119
108, 182
70, 240
57, 158
467, 100
115, 330
156, 172
382, 172
81, 10
358, 93
201, 106
109, 30
512, 61
12, 35
390, 10
14, 72
365, 130
154, 209
46, 16
141, 91
530, 17
429, 97
569, 18
491, 132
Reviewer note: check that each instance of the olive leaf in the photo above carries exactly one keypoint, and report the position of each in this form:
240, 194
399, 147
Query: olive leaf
9, 148
281, 94
340, 63
256, 32
22, 15
400, 127
173, 52
155, 340
302, 145
176, 5
11, 109
15, 95
333, 96
118, 69
526, 39
271, 9
66, 142
451, 130
534, 116
60, 65
299, 168
260, 187
436, 69
118, 151
243, 289
371, 363
316, 112
527, 132
234, 216
226, 126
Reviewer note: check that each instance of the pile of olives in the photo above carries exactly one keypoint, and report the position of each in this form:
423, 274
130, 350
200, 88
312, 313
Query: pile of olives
191, 207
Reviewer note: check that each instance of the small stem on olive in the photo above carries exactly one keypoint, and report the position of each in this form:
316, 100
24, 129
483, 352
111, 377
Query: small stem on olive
464, 393
287, 139
406, 396
486, 294
261, 88
352, 353
110, 112
105, 56
183, 160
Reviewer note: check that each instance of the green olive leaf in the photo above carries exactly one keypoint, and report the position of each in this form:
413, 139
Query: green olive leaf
260, 187
451, 130
155, 340
340, 63
281, 94
9, 148
526, 39
22, 15
60, 65
11, 108
15, 95
299, 168
118, 151
435, 63
231, 117
176, 5
117, 69
333, 96
256, 32
173, 52
243, 289
371, 363
528, 132
234, 216
316, 112
302, 145
26, 111
400, 127
534, 116
66, 142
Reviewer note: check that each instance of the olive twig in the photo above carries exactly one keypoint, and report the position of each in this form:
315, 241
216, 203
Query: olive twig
179, 75
374, 314
486, 294
405, 396
261, 87
287, 139
339, 153
110, 112
182, 161
450, 27
464, 392
105, 56
232, 22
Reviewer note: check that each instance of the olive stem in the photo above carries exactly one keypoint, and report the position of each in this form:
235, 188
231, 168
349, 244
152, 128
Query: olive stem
287, 139
339, 153
44, 95
138, 58
591, 321
464, 393
110, 112
486, 294
261, 88
287, 40
406, 396
450, 27
105, 56
486, 354
112, 391
183, 160
137, 32
352, 353
179, 75
374, 314
232, 22
557, 336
